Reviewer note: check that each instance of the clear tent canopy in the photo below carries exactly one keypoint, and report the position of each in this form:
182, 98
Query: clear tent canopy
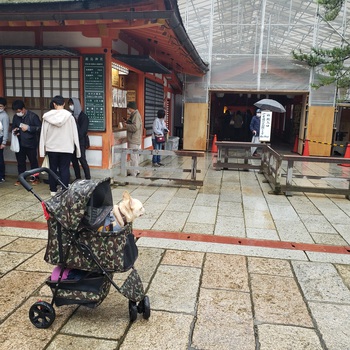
248, 45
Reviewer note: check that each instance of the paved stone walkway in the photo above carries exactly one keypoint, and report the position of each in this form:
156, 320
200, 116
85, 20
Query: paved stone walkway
204, 293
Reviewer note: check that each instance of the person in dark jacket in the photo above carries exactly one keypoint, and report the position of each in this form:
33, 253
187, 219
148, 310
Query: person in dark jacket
255, 129
83, 125
246, 126
26, 125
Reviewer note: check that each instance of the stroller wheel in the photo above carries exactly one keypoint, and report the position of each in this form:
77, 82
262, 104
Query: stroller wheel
42, 314
144, 307
132, 310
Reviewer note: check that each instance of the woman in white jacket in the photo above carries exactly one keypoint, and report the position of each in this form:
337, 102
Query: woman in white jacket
58, 139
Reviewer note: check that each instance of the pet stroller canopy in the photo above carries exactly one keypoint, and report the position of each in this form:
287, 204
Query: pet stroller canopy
85, 201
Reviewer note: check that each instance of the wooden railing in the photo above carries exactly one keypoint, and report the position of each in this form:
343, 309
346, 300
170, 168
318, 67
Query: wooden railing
289, 187
154, 174
236, 155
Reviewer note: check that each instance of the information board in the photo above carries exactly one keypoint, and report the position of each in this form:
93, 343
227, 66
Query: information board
265, 126
94, 91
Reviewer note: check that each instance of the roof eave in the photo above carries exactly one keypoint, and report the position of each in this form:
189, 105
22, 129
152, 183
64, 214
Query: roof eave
40, 13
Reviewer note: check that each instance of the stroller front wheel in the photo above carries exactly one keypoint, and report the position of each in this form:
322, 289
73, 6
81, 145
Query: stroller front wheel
42, 314
132, 311
144, 307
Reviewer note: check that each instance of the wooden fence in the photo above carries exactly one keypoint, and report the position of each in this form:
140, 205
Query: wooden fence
166, 173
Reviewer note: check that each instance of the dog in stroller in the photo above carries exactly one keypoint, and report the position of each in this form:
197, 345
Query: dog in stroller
127, 210
89, 239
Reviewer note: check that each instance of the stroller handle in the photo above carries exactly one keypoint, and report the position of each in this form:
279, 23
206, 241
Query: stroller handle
22, 177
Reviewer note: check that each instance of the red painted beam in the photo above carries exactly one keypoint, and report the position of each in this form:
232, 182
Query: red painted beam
197, 237
24, 224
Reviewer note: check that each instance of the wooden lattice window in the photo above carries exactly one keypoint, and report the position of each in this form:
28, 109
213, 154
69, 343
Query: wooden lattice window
37, 80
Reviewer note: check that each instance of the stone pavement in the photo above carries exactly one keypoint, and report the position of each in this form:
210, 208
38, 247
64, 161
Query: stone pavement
226, 266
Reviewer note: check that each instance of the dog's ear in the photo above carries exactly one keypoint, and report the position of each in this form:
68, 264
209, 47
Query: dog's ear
126, 196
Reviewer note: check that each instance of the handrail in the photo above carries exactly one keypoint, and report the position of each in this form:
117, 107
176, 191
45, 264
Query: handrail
271, 166
192, 181
289, 187
224, 155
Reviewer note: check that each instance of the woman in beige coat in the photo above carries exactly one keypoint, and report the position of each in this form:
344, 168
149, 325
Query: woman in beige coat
134, 134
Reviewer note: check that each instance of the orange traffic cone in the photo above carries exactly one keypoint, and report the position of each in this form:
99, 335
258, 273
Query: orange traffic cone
295, 148
346, 155
306, 151
214, 147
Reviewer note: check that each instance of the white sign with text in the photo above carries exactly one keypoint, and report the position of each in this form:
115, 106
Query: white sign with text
265, 126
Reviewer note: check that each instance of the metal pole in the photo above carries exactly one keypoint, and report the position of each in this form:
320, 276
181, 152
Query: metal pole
262, 29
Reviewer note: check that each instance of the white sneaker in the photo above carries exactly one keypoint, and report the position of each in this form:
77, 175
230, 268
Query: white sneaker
53, 194
156, 165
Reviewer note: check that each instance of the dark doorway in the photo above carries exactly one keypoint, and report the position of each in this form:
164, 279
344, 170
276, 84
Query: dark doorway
231, 113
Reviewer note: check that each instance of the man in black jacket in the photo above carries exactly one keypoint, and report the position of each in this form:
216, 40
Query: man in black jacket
82, 121
26, 125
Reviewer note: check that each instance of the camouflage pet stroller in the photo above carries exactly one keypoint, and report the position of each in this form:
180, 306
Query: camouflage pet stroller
86, 250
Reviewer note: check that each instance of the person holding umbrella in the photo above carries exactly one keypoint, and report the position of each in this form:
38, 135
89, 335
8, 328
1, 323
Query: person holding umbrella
255, 129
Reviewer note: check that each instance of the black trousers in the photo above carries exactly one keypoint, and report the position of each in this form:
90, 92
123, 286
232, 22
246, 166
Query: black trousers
59, 164
84, 164
22, 155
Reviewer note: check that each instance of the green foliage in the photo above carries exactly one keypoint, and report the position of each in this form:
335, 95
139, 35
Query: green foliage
331, 62
332, 8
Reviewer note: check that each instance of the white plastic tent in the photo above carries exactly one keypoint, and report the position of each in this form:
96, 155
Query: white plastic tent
248, 44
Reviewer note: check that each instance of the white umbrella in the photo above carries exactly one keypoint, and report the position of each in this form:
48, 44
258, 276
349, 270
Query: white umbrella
271, 105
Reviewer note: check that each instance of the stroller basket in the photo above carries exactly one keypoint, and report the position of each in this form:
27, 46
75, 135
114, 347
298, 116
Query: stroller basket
89, 290
114, 251
74, 218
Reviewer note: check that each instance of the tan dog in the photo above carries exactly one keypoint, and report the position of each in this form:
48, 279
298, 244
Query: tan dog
128, 209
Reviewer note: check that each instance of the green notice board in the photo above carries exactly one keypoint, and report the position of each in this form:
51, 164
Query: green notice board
94, 91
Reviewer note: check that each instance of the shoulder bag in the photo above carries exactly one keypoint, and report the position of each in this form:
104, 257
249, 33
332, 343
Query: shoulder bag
160, 139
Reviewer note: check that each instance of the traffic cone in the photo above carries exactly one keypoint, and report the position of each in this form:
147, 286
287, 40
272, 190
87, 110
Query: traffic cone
347, 154
306, 151
214, 148
295, 148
